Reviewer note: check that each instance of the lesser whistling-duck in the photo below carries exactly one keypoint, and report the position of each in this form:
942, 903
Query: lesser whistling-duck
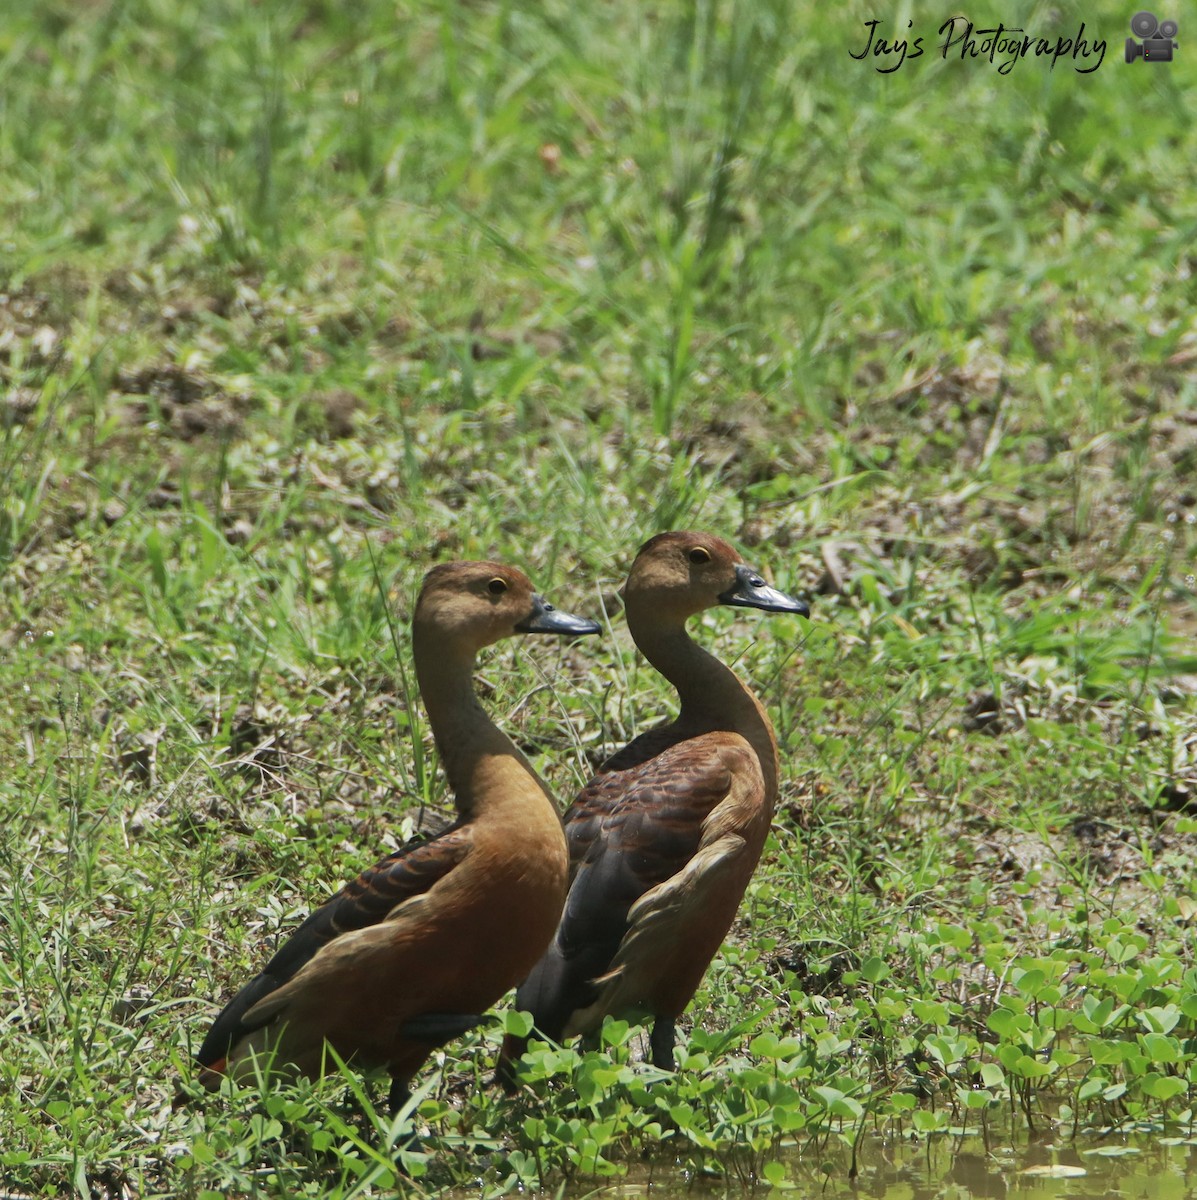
664, 839
413, 951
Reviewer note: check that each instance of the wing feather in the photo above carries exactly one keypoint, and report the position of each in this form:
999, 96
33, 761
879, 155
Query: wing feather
632, 828
373, 897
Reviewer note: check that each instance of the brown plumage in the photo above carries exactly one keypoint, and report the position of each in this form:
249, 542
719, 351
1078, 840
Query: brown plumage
414, 950
664, 839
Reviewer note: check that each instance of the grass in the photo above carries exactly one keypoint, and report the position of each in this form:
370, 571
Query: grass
300, 298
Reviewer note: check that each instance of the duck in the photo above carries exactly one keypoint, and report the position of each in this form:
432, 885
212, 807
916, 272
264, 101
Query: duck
665, 837
412, 952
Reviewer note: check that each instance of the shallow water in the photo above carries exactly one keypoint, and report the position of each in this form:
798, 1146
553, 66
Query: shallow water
962, 1169
949, 1169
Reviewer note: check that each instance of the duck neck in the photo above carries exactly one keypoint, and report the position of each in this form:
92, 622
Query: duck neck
486, 771
712, 695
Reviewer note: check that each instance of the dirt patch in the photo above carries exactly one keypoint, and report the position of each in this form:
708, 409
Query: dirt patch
738, 444
332, 415
1089, 502
489, 341
1127, 864
184, 401
935, 414
17, 405
28, 337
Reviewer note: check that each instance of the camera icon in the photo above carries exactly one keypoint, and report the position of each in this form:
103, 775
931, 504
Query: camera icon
1157, 44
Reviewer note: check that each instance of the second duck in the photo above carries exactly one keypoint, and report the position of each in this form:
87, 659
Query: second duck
665, 837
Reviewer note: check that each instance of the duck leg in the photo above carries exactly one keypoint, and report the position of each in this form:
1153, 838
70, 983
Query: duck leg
661, 1042
399, 1094
435, 1029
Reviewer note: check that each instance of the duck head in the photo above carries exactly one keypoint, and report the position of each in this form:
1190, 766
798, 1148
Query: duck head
478, 603
688, 572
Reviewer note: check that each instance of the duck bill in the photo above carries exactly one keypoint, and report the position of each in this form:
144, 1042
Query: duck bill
544, 618
751, 591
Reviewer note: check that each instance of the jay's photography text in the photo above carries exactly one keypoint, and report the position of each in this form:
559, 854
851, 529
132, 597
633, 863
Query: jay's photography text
1000, 46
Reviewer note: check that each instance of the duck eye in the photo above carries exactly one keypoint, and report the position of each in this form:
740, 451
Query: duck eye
497, 586
699, 555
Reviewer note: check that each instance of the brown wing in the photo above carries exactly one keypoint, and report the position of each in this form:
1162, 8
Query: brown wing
607, 789
370, 898
639, 827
